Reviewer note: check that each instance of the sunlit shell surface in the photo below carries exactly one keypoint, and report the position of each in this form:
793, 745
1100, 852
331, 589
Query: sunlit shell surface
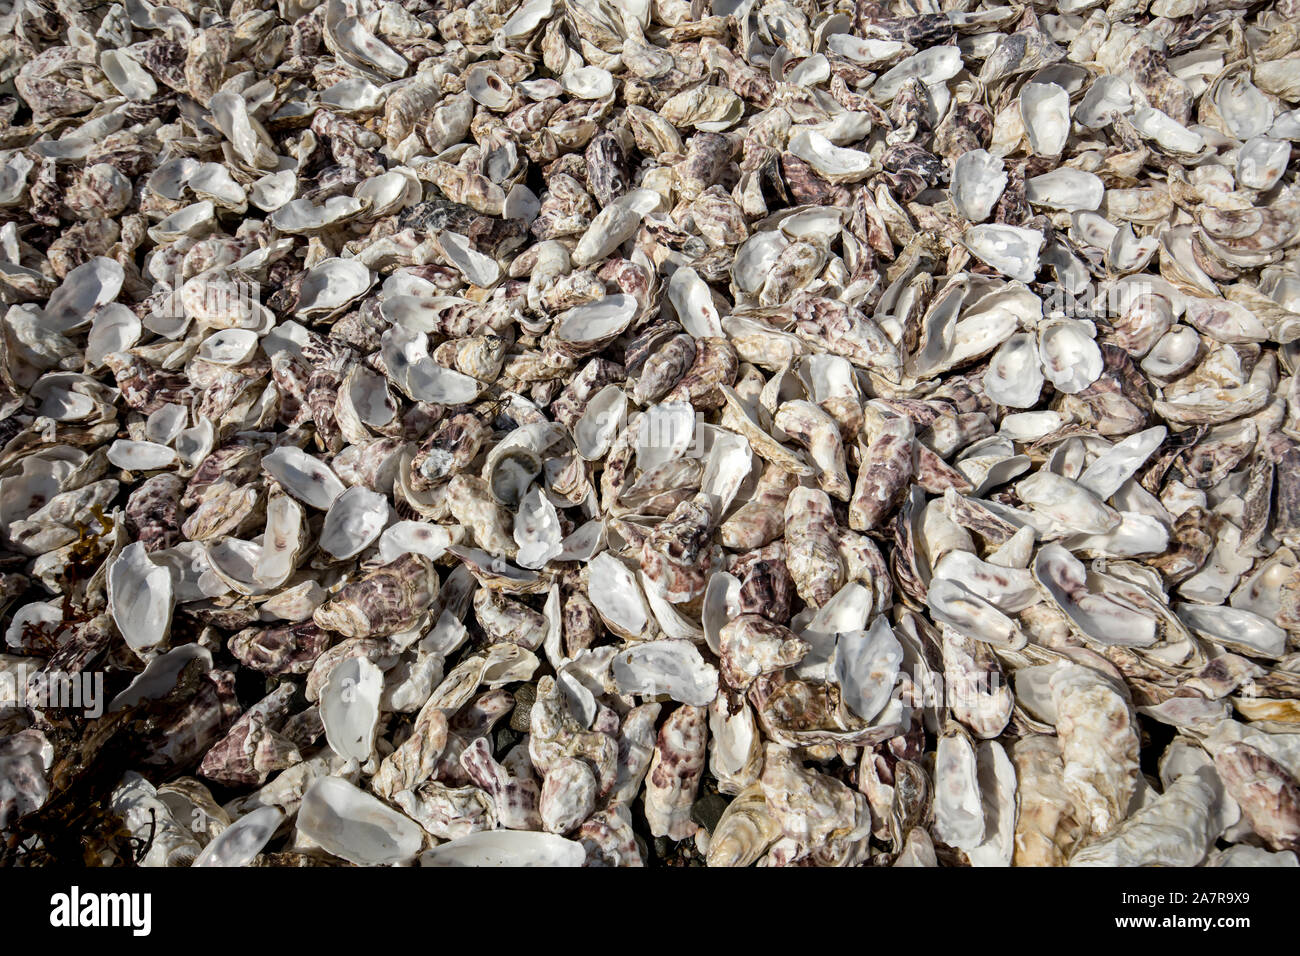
534, 433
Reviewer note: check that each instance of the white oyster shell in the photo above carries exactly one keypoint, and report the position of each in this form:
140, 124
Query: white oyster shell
351, 824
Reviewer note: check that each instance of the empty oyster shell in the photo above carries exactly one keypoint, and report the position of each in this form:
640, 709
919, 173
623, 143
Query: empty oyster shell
978, 180
352, 824
833, 163
1045, 111
349, 707
506, 848
140, 598
353, 522
1011, 250
239, 843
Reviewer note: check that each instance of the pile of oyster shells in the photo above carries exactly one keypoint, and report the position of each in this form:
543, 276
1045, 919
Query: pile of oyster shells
592, 432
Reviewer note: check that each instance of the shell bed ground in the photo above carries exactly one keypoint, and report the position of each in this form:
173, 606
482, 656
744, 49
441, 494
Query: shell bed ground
571, 432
